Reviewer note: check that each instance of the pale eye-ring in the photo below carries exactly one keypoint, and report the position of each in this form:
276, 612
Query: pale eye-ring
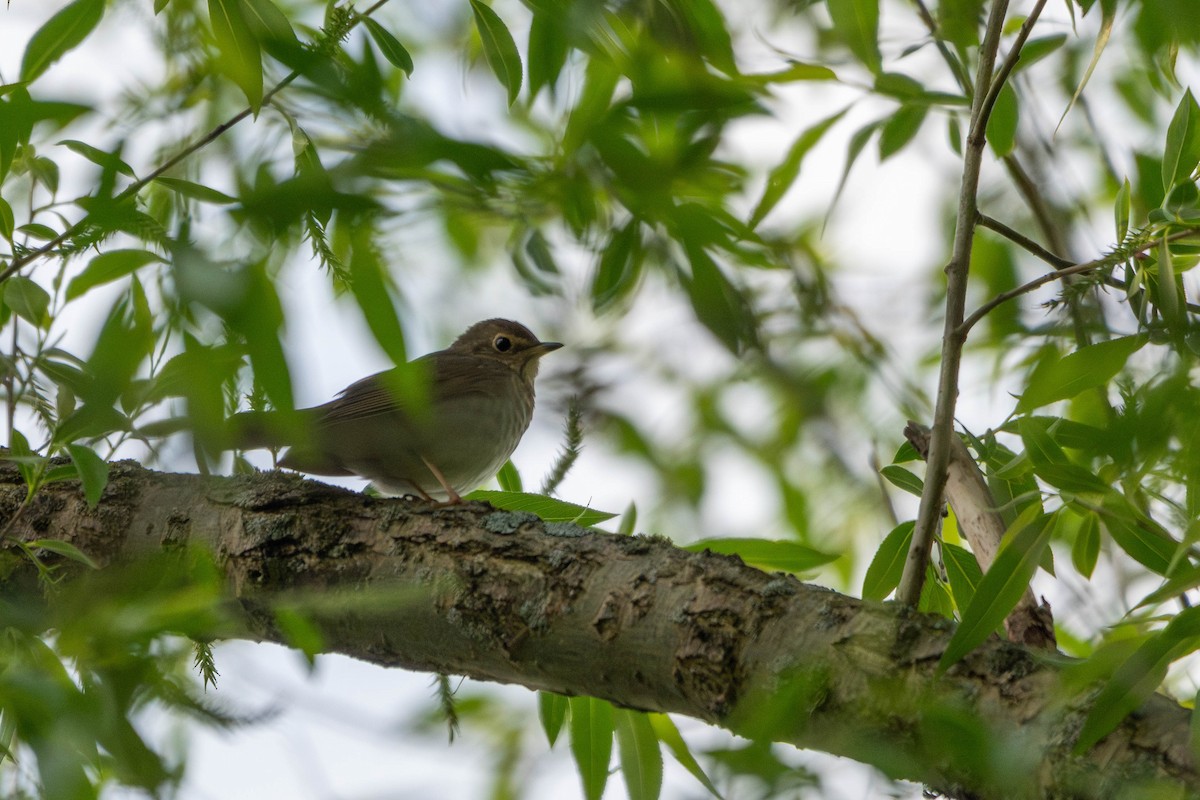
502, 344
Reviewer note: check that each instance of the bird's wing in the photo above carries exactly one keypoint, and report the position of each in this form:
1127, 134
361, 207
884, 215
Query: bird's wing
409, 389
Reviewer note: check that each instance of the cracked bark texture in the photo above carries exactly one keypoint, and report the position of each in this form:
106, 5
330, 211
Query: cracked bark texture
502, 596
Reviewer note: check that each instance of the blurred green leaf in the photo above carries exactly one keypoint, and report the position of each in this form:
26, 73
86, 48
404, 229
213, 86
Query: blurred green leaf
640, 757
767, 554
372, 289
1137, 534
1001, 588
28, 300
61, 33
552, 712
390, 46
7, 220
498, 48
591, 742
548, 47
857, 23
900, 129
300, 632
1085, 550
550, 509
108, 267
195, 191
99, 157
1121, 209
1139, 677
784, 175
963, 572
239, 50
887, 565
36, 230
619, 267
93, 472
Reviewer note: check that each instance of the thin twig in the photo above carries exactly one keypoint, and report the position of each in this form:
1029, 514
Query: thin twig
1060, 273
917, 561
1010, 63
1023, 241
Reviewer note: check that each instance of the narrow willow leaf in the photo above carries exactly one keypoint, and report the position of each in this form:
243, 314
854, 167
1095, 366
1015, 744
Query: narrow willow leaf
963, 572
108, 267
64, 549
1138, 535
1121, 210
1108, 16
550, 509
372, 291
1139, 677
390, 46
93, 472
784, 175
767, 554
1000, 589
1086, 368
618, 269
857, 23
36, 230
498, 48
239, 50
509, 478
900, 129
1182, 151
887, 566
668, 734
196, 191
61, 33
28, 300
98, 157
552, 712
591, 742
548, 48
902, 478
640, 756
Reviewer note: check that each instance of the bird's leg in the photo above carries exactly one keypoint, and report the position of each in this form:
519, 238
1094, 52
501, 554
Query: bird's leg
452, 497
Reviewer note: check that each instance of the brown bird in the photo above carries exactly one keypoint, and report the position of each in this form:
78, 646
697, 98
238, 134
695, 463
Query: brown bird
435, 427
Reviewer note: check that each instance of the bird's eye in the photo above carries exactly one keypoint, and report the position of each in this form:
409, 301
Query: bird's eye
502, 344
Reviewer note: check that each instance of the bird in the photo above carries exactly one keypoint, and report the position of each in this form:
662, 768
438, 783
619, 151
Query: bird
434, 428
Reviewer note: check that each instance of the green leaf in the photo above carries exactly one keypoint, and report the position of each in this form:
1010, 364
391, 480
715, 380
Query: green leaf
498, 48
28, 300
887, 566
7, 220
548, 47
196, 191
1137, 534
767, 554
1085, 550
98, 157
1183, 143
371, 287
667, 733
1001, 588
1002, 124
108, 267
900, 129
857, 23
591, 742
61, 33
36, 230
300, 632
903, 479
240, 57
1088, 367
64, 549
717, 302
1121, 210
1038, 48
1139, 677
550, 509
1109, 15
962, 569
784, 175
641, 759
509, 478
619, 267
390, 46
552, 712
93, 472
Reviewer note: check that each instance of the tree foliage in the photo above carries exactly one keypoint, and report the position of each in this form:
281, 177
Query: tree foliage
620, 159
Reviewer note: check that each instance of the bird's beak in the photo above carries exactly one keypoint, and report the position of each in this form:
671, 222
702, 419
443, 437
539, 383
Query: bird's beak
541, 348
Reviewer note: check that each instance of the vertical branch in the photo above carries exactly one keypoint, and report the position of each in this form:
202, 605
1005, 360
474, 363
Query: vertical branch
953, 336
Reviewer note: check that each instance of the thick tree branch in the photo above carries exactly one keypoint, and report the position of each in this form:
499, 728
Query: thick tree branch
505, 597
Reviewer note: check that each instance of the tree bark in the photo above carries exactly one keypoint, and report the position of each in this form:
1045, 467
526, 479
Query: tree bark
503, 596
